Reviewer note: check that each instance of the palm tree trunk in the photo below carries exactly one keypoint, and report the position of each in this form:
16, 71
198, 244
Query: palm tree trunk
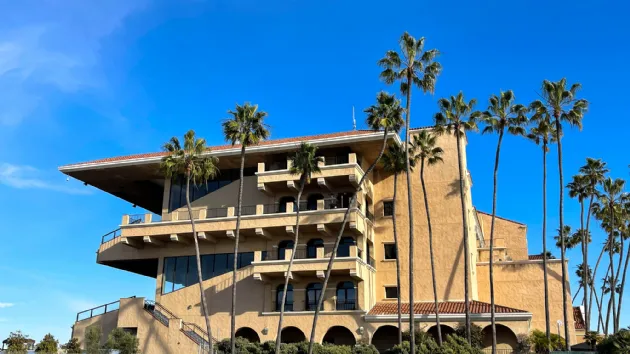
577, 293
600, 320
611, 302
286, 278
353, 202
236, 238
544, 242
616, 315
435, 295
465, 227
587, 298
494, 213
623, 285
584, 262
563, 246
397, 258
412, 340
601, 254
204, 306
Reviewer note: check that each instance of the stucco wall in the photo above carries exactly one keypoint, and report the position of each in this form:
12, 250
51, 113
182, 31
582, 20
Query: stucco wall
107, 322
510, 234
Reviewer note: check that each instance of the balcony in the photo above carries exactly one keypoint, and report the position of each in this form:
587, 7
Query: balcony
213, 224
335, 172
270, 265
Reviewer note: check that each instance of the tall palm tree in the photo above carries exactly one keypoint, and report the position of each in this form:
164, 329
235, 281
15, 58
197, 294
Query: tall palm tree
394, 162
502, 114
625, 234
543, 134
563, 106
428, 153
416, 67
593, 172
194, 162
245, 127
304, 162
456, 116
385, 115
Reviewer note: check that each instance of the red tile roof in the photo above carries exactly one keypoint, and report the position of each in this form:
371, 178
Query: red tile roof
230, 146
577, 318
535, 257
448, 307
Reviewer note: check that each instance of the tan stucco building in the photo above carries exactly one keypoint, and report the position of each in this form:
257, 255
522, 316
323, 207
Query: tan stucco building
360, 299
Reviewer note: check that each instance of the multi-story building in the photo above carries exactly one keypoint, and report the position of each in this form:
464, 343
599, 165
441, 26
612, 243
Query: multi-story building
360, 300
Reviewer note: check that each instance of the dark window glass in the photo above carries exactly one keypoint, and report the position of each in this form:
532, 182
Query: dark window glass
192, 277
313, 292
388, 208
181, 270
288, 304
391, 292
312, 246
344, 247
220, 264
207, 266
282, 247
245, 259
230, 262
346, 296
169, 275
390, 251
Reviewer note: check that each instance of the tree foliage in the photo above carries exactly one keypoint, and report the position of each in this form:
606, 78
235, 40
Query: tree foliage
123, 341
476, 334
72, 347
539, 343
17, 343
618, 343
93, 340
48, 345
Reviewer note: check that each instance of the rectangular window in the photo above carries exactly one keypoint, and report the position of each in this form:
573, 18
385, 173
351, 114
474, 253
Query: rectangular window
388, 208
391, 292
192, 277
390, 251
220, 264
168, 275
207, 266
245, 259
181, 270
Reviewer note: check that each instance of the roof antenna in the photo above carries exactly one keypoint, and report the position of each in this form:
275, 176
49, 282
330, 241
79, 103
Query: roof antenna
354, 121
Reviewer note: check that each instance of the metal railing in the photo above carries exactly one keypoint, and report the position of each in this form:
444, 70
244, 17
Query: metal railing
336, 160
212, 213
311, 306
346, 305
110, 236
195, 333
136, 219
158, 311
99, 310
246, 210
272, 208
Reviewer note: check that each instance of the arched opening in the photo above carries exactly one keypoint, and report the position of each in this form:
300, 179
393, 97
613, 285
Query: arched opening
292, 335
312, 245
344, 246
288, 303
313, 292
249, 334
339, 335
506, 339
282, 204
282, 247
346, 296
311, 201
385, 337
446, 330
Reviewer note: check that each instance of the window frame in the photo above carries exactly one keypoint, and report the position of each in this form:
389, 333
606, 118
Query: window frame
385, 208
391, 287
385, 253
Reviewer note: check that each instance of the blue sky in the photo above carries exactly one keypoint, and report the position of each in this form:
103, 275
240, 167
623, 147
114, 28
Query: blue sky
82, 80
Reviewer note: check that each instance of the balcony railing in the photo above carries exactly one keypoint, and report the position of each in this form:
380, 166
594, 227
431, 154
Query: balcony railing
212, 213
311, 306
336, 160
99, 310
247, 210
158, 311
110, 236
287, 307
346, 305
303, 253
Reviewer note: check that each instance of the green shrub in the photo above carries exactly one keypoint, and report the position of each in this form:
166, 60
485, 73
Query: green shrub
364, 349
48, 345
402, 348
328, 348
72, 347
457, 345
476, 334
539, 343
93, 340
618, 343
124, 342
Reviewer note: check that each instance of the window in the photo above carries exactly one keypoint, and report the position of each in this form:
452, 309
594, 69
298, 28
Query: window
312, 246
180, 272
344, 246
313, 292
390, 251
288, 303
391, 292
131, 330
388, 208
282, 247
346, 296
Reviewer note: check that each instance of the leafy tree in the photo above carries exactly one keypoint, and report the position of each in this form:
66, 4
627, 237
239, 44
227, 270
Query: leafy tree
539, 342
564, 107
17, 343
456, 116
245, 127
502, 116
191, 160
93, 340
385, 115
364, 349
394, 162
304, 163
543, 134
73, 346
424, 146
618, 343
415, 67
592, 338
124, 342
48, 344
476, 334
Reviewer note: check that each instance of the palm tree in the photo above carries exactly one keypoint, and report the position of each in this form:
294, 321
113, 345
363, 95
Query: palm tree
562, 105
304, 162
578, 188
427, 152
544, 134
245, 127
385, 115
456, 116
625, 234
194, 162
502, 115
394, 162
415, 67
593, 172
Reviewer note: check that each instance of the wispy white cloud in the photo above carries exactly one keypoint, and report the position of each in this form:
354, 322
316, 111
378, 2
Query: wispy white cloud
53, 47
28, 177
6, 304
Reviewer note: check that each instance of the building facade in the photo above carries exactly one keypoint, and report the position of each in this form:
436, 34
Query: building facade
360, 300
